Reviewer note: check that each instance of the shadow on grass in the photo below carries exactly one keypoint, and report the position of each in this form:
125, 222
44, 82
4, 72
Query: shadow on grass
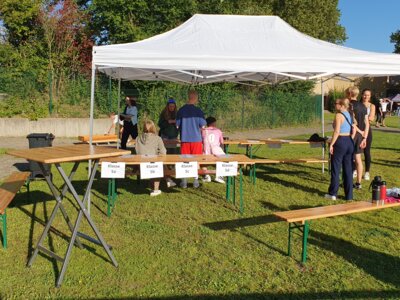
383, 148
356, 294
382, 266
22, 166
387, 163
239, 223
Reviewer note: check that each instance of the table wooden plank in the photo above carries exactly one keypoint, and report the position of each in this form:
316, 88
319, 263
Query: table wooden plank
173, 158
331, 211
68, 153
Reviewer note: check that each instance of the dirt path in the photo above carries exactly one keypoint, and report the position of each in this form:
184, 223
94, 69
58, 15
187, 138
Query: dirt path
8, 163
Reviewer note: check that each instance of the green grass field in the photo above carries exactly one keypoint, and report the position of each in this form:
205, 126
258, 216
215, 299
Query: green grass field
193, 244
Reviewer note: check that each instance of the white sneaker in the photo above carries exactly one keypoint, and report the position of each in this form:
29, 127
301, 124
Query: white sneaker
206, 178
354, 174
155, 193
330, 197
219, 179
170, 182
366, 176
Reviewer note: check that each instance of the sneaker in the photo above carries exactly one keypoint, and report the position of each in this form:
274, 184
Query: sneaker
170, 182
206, 178
357, 186
196, 183
366, 176
183, 184
330, 197
354, 174
155, 193
219, 179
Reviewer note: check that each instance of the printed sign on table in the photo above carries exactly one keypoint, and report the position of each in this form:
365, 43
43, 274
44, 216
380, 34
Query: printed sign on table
112, 170
186, 169
227, 168
151, 170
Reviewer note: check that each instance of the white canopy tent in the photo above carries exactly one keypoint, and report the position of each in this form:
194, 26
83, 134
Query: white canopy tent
255, 50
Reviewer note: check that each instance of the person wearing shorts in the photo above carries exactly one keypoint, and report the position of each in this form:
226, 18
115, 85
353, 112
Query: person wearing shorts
189, 121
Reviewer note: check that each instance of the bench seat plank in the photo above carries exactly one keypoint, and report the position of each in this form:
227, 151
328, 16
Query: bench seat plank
288, 161
10, 187
86, 138
331, 211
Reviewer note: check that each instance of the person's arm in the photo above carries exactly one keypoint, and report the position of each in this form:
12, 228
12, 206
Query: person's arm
338, 122
372, 113
161, 147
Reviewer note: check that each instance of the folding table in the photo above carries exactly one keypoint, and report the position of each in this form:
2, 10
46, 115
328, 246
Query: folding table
56, 156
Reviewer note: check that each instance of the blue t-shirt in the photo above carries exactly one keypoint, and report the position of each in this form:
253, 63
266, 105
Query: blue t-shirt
189, 120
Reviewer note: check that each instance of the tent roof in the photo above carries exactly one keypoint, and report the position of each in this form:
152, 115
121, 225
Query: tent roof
396, 98
261, 49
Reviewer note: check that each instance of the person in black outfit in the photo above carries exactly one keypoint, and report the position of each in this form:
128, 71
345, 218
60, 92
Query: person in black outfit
360, 115
130, 118
366, 100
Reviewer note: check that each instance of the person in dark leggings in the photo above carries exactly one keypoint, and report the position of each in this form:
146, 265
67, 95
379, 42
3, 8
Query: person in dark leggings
341, 149
366, 100
130, 117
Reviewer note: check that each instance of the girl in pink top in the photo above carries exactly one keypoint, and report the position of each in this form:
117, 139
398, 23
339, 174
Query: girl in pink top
212, 141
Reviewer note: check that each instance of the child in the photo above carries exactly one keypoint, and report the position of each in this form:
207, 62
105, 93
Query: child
149, 143
212, 141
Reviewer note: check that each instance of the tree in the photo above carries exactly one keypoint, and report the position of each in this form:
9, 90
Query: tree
20, 19
395, 38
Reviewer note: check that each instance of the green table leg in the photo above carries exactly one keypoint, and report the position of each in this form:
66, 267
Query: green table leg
241, 189
234, 190
289, 252
3, 218
226, 148
109, 192
228, 188
306, 228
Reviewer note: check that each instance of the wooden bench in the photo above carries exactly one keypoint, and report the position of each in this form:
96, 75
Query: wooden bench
8, 190
301, 218
99, 139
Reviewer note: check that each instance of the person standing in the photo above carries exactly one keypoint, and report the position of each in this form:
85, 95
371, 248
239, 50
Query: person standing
341, 149
366, 100
359, 112
383, 108
167, 123
130, 118
189, 121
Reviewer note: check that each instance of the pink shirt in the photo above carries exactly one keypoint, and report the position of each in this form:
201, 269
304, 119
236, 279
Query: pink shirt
212, 140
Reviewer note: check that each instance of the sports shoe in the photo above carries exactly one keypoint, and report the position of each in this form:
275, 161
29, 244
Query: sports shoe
183, 184
354, 174
196, 183
357, 186
170, 182
155, 193
366, 176
206, 178
219, 179
330, 197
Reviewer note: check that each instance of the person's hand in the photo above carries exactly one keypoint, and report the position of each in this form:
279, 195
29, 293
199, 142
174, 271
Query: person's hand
331, 149
363, 143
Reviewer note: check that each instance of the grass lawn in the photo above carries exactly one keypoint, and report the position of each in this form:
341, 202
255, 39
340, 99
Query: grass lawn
192, 244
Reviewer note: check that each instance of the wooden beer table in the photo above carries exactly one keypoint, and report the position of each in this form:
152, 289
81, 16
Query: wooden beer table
171, 159
56, 156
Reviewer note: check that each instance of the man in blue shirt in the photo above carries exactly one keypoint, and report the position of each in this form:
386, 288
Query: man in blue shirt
190, 120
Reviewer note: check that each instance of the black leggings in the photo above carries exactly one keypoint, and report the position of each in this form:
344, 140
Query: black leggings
367, 151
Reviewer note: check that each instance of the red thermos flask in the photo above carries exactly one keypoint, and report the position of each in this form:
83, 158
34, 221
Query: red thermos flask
383, 190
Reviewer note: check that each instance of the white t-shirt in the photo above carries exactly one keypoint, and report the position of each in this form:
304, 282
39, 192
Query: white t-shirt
384, 106
116, 120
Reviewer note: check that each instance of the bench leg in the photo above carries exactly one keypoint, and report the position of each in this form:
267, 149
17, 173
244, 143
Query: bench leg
306, 228
228, 189
241, 189
234, 190
3, 218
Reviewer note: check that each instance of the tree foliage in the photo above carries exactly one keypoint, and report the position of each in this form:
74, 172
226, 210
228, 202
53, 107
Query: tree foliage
395, 38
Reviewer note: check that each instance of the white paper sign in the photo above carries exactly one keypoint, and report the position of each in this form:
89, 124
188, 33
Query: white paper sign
227, 168
151, 170
112, 170
186, 169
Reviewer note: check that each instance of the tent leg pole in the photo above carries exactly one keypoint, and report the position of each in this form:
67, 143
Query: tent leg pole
323, 122
91, 126
119, 101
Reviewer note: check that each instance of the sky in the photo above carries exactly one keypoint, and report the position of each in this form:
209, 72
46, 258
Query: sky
369, 23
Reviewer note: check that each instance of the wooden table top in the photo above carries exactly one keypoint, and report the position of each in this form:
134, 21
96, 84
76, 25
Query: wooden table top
173, 158
331, 210
268, 141
68, 153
